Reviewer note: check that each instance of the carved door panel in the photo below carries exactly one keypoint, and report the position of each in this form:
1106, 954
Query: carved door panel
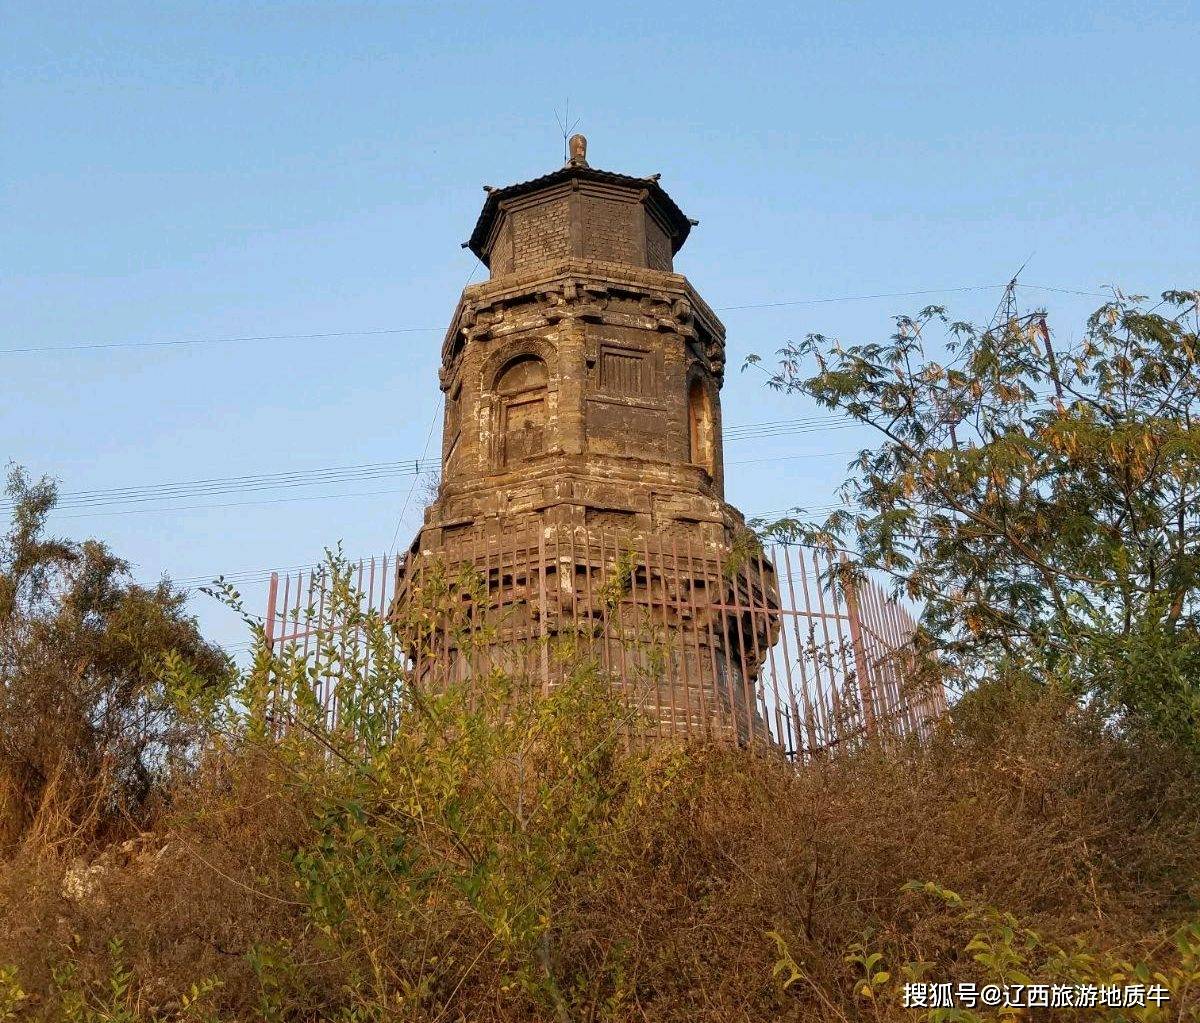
524, 427
700, 427
521, 388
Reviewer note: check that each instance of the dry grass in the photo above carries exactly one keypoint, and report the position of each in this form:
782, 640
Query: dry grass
656, 877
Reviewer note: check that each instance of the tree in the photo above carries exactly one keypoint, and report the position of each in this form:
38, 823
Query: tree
1042, 503
87, 721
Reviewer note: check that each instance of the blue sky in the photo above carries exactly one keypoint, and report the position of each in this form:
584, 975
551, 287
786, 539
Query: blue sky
211, 170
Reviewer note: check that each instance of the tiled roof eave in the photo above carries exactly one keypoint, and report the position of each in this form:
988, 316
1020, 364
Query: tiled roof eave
491, 207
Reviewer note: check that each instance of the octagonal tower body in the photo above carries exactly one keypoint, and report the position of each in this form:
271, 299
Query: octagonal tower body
582, 414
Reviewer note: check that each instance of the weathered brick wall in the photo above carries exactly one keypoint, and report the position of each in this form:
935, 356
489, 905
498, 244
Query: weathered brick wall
612, 230
589, 220
540, 234
658, 247
502, 251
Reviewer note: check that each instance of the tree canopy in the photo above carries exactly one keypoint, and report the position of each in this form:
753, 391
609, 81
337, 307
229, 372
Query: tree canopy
86, 723
1040, 500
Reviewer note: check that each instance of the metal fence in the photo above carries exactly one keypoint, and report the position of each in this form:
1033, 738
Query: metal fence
751, 647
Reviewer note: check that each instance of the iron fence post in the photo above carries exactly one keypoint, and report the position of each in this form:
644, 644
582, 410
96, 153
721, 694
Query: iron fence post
861, 667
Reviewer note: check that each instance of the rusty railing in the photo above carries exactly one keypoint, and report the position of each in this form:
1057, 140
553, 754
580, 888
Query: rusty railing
752, 648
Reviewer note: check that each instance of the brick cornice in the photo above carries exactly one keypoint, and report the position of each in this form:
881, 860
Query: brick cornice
582, 288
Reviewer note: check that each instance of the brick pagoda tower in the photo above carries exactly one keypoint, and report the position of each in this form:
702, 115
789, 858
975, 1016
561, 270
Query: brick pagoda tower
582, 441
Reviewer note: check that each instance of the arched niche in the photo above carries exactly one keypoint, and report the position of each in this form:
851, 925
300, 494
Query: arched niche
520, 392
700, 426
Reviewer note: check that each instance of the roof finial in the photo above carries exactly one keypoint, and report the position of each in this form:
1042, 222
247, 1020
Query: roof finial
578, 149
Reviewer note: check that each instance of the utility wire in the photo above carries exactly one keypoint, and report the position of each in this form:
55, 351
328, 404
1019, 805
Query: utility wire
857, 298
429, 435
757, 430
229, 504
125, 497
1065, 291
254, 575
413, 488
232, 485
184, 342
123, 500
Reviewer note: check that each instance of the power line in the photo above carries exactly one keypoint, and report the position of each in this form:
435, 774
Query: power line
773, 512
125, 499
1064, 291
262, 574
788, 458
762, 430
183, 342
230, 504
858, 298
413, 489
259, 338
254, 575
428, 437
235, 484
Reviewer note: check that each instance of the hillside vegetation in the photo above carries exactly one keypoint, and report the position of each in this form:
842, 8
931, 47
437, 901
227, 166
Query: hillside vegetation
175, 845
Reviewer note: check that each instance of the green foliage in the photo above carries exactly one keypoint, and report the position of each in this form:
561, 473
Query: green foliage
620, 581
103, 682
743, 547
870, 977
11, 993
786, 970
278, 979
116, 997
1006, 953
1043, 505
506, 857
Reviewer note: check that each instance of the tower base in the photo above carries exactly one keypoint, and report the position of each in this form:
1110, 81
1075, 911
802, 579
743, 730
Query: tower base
680, 621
